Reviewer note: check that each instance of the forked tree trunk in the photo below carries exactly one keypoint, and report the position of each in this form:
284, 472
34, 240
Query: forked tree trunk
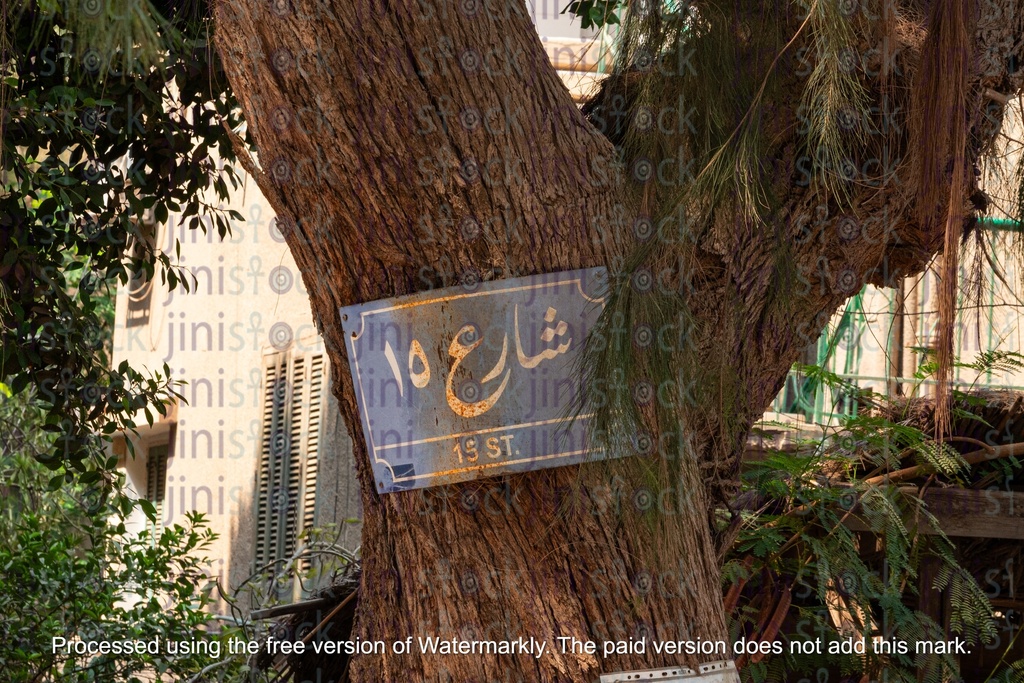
387, 133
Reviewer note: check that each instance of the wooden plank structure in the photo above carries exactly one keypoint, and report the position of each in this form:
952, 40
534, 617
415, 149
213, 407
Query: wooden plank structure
968, 513
981, 512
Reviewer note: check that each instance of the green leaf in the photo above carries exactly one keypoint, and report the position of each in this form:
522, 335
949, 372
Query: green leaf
19, 383
148, 508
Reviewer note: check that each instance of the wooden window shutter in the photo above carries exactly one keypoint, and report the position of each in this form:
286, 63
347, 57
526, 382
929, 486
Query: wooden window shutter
290, 483
156, 483
286, 492
272, 446
311, 456
140, 286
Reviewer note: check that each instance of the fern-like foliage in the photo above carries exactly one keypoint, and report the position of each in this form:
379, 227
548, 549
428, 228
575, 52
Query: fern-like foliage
860, 555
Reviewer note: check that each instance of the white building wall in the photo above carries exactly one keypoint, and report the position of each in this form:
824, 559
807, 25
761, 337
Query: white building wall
247, 303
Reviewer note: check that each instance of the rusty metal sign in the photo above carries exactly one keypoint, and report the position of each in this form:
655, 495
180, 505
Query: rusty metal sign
462, 383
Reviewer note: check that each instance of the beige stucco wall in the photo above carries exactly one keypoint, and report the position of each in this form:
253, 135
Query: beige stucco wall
248, 302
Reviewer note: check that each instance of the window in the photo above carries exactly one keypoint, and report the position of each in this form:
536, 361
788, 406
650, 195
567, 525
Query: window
156, 484
140, 287
286, 485
798, 394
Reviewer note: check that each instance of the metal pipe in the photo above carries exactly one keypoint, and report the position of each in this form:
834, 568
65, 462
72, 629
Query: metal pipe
895, 342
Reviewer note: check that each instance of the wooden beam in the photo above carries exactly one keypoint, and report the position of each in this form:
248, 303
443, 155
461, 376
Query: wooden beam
973, 458
294, 608
576, 55
968, 512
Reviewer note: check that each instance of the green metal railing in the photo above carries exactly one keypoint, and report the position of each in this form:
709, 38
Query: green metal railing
808, 398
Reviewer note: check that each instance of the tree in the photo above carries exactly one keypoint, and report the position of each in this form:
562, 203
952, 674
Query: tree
73, 568
72, 227
830, 145
85, 90
744, 169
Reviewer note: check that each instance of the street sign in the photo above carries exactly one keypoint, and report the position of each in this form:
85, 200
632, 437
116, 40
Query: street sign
722, 671
462, 383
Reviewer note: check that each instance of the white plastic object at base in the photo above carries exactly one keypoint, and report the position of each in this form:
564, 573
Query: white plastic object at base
721, 671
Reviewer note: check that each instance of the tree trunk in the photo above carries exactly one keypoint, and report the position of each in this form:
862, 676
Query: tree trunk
408, 147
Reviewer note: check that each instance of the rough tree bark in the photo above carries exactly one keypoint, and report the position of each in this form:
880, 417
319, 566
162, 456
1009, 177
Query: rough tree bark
407, 147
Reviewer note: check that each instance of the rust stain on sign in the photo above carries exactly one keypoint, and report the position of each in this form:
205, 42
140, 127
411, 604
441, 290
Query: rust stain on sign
458, 384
